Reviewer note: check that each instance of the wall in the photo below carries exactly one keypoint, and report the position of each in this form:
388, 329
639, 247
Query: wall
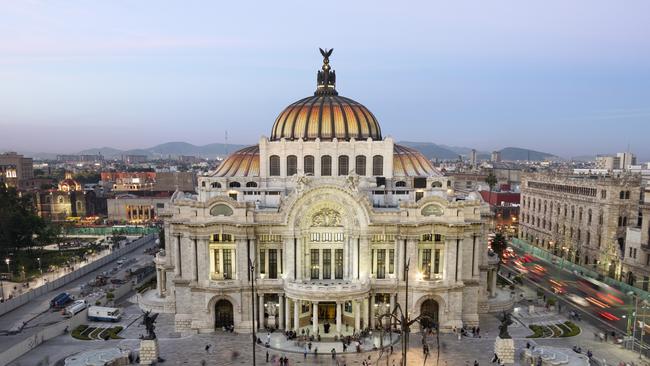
18, 301
43, 335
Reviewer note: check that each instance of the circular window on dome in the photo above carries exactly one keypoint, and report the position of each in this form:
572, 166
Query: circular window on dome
221, 210
432, 210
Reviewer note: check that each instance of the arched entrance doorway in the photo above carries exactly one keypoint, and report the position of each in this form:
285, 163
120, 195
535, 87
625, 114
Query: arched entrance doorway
223, 314
429, 309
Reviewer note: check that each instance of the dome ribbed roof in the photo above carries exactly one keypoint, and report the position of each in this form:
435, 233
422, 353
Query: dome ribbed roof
409, 162
241, 163
326, 117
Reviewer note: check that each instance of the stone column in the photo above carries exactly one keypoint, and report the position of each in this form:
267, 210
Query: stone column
371, 324
261, 312
392, 306
299, 258
281, 311
287, 313
159, 282
296, 316
314, 318
195, 258
346, 257
399, 265
357, 315
339, 324
204, 260
364, 303
494, 283
164, 281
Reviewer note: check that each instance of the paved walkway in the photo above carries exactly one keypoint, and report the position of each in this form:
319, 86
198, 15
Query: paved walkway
233, 349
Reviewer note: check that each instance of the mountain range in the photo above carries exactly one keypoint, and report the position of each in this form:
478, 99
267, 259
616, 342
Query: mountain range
167, 149
210, 151
444, 152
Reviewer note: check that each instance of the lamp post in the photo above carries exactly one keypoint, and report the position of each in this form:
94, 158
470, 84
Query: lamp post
7, 260
39, 265
404, 320
251, 268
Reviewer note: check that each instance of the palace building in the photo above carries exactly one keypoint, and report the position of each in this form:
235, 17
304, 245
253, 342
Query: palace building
330, 213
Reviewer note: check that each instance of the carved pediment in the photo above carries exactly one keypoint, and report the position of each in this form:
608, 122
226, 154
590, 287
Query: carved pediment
326, 217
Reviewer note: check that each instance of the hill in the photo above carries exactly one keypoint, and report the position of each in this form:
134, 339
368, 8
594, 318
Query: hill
175, 148
517, 153
431, 150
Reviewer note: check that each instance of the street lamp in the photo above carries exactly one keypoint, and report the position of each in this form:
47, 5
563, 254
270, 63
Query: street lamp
405, 322
7, 260
251, 268
39, 265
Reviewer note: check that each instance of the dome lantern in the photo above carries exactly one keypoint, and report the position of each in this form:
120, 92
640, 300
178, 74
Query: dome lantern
326, 115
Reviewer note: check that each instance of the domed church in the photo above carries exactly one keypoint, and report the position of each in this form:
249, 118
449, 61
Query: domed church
325, 215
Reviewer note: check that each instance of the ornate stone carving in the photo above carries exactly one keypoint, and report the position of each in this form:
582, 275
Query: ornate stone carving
302, 182
326, 217
432, 210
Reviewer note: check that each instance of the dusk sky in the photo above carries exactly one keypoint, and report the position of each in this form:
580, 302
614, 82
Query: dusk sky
566, 77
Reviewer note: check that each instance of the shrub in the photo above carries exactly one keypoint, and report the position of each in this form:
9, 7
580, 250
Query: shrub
113, 332
110, 296
77, 333
538, 331
97, 303
574, 330
550, 301
95, 333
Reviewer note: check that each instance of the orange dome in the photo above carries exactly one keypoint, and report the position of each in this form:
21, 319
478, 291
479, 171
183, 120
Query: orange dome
326, 117
409, 162
241, 163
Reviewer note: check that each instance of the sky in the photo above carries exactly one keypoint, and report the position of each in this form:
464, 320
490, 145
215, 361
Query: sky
566, 77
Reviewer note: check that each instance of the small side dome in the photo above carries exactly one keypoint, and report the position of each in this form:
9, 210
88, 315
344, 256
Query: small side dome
241, 163
409, 162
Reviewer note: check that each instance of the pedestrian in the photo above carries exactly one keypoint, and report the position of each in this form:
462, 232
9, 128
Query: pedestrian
304, 354
475, 363
333, 351
315, 351
267, 356
478, 330
207, 348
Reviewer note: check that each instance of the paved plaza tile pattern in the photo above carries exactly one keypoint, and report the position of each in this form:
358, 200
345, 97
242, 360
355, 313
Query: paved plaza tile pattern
233, 349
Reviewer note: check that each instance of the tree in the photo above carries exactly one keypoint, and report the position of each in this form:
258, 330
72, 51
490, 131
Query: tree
20, 227
491, 181
499, 244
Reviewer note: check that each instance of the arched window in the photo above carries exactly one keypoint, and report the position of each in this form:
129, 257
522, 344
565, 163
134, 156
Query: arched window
274, 166
401, 183
344, 165
292, 165
203, 184
215, 185
377, 165
234, 185
251, 184
360, 165
621, 195
308, 164
325, 165
436, 185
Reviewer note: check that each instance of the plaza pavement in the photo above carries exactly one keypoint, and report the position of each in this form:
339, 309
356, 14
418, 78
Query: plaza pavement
232, 349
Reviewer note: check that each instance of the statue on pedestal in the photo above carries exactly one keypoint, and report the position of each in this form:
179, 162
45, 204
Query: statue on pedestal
506, 321
149, 321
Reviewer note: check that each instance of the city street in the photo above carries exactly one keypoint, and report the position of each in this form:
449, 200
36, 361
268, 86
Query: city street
576, 294
37, 312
